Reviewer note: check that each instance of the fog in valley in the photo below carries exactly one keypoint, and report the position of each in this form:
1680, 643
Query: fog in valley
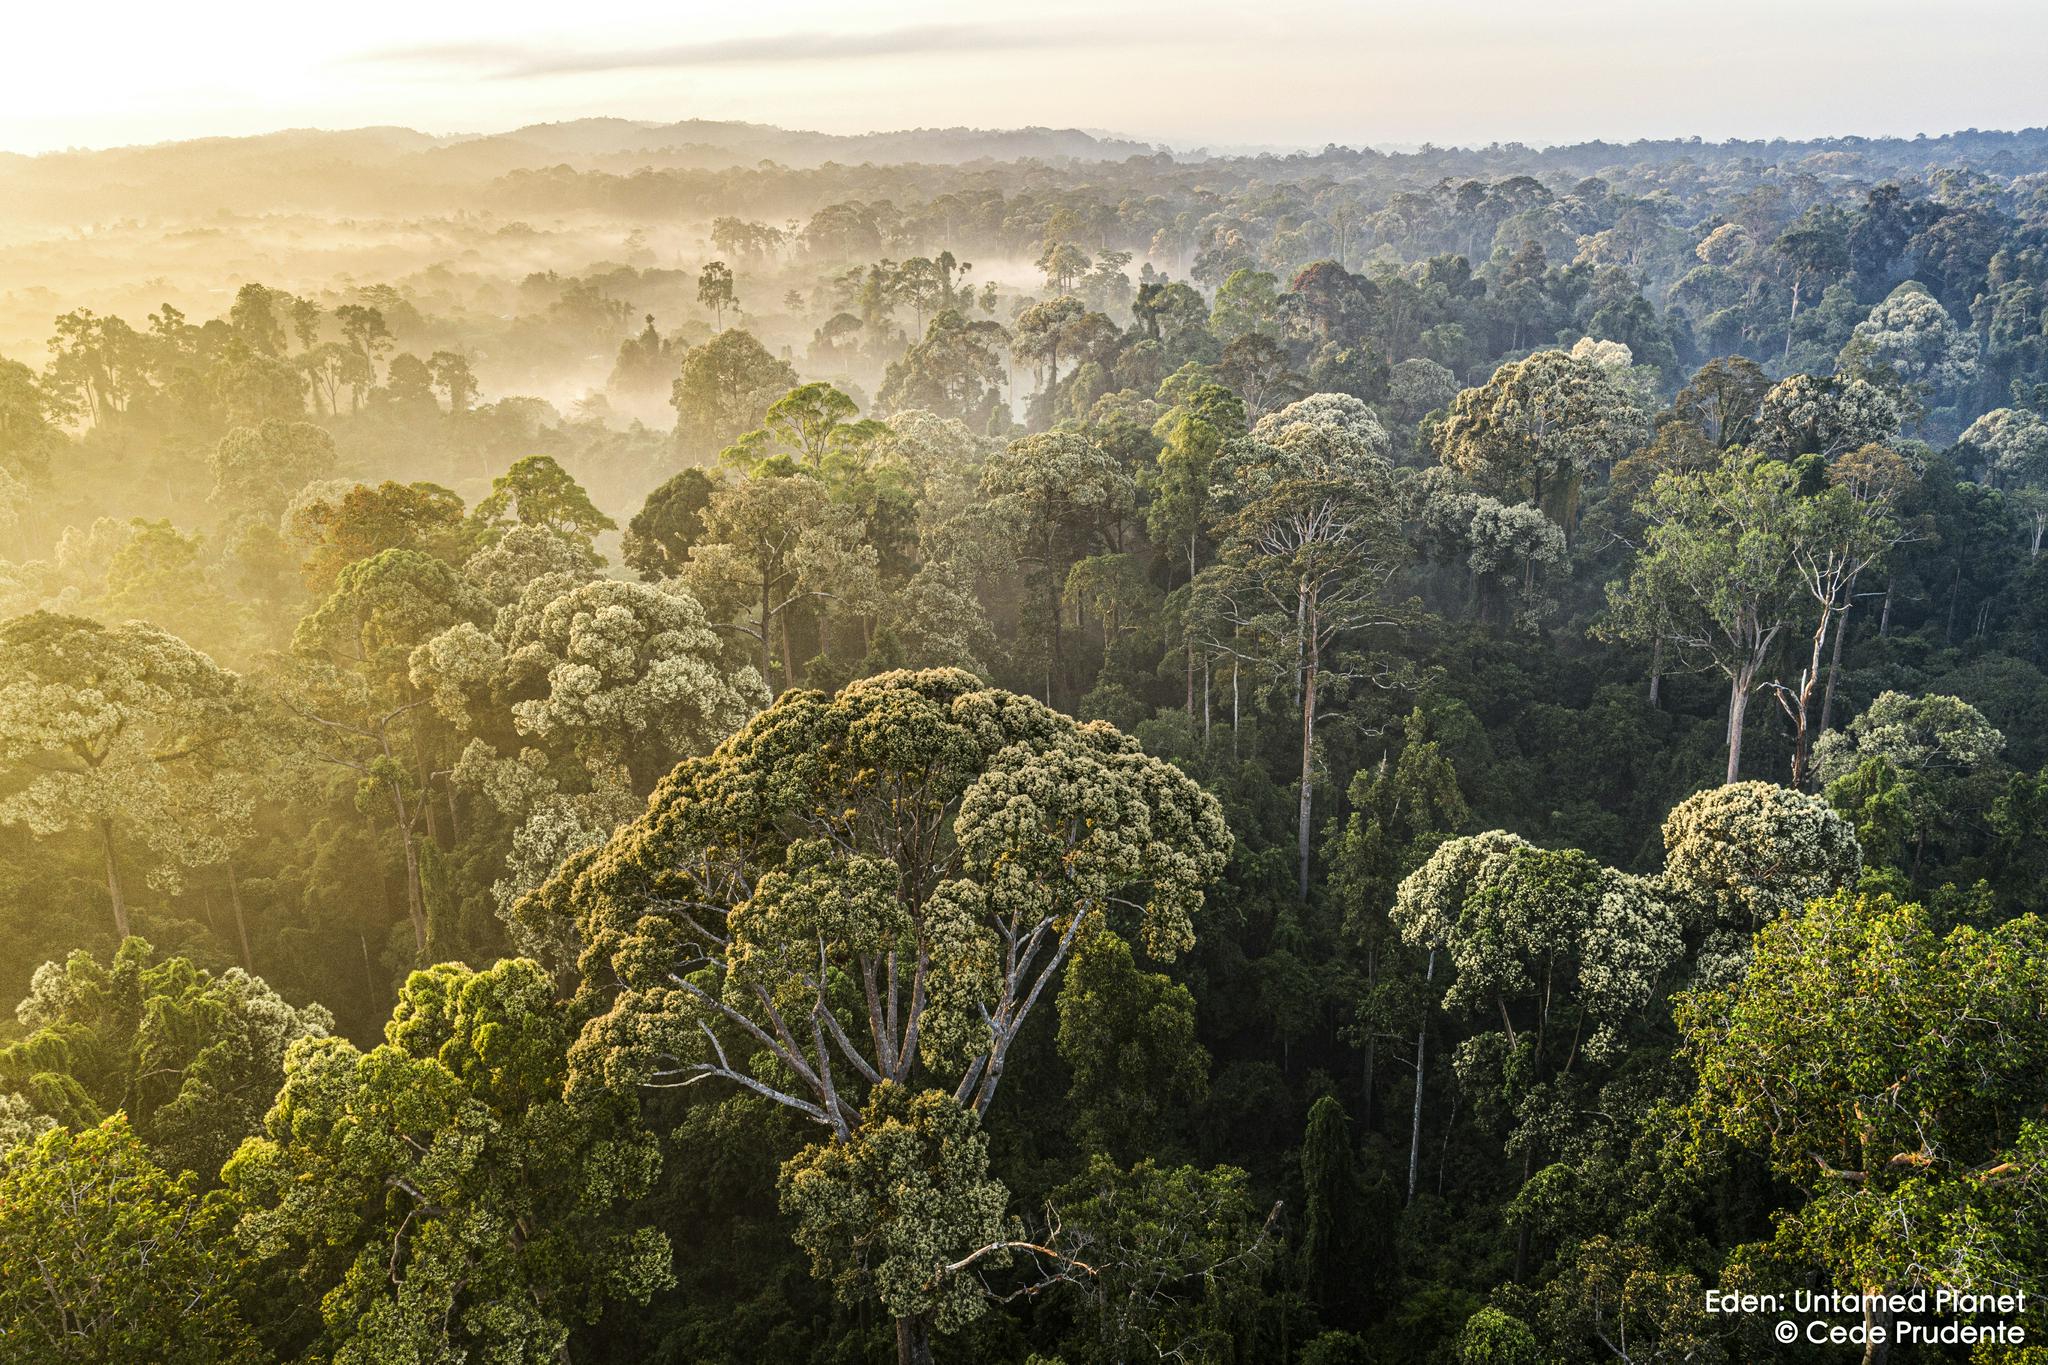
697, 742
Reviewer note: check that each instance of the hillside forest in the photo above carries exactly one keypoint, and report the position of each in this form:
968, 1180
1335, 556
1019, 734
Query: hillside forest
691, 743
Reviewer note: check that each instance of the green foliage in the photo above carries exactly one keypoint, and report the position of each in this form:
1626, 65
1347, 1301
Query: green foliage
190, 1057
725, 388
436, 1195
1174, 1257
1128, 1037
536, 491
659, 537
896, 1212
1491, 1337
1891, 1076
105, 1255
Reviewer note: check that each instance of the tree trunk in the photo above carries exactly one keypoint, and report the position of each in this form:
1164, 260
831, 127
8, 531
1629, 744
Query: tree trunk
1955, 587
1421, 1058
913, 1341
1738, 704
1308, 761
1233, 709
370, 991
1522, 1229
1188, 636
1802, 708
767, 653
1205, 697
1786, 358
1876, 1351
1056, 673
241, 924
1372, 974
788, 654
1656, 670
114, 896
1827, 695
415, 895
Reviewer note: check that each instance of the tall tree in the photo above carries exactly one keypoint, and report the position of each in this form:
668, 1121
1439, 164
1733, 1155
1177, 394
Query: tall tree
724, 388
715, 291
2016, 442
1717, 574
1306, 561
659, 537
1538, 427
1562, 951
770, 546
356, 688
109, 721
1064, 495
1838, 534
864, 899
537, 491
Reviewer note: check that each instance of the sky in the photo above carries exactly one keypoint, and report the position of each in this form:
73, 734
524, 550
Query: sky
1187, 73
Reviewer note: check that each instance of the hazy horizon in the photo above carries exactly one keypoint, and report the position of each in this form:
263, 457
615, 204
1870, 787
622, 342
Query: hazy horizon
1184, 147
1470, 72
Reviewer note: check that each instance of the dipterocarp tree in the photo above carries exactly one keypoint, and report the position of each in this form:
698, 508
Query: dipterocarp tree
605, 684
1560, 951
1901, 769
109, 723
1192, 433
2015, 440
1719, 575
1538, 427
192, 1058
771, 547
1738, 856
1060, 495
1305, 565
1837, 535
1306, 557
851, 909
1806, 414
537, 491
353, 684
613, 674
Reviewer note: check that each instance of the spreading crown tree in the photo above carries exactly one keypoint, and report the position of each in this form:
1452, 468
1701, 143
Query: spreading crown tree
851, 908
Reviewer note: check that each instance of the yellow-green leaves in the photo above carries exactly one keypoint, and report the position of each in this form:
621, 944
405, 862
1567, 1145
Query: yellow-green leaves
882, 1213
1894, 1076
105, 1256
438, 1191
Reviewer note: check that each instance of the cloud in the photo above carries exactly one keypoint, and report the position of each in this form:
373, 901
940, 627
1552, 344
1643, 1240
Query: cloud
517, 61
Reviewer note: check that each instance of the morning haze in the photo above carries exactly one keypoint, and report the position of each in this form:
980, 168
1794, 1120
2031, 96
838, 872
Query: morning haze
833, 684
1296, 73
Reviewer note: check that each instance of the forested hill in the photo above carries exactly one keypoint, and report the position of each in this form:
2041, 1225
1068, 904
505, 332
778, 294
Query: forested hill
367, 169
378, 169
1352, 759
